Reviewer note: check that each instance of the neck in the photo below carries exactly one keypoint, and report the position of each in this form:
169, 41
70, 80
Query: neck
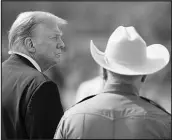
134, 84
120, 88
114, 80
119, 81
44, 65
111, 81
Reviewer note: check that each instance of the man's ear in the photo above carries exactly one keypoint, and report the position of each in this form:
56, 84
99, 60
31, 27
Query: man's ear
143, 78
29, 45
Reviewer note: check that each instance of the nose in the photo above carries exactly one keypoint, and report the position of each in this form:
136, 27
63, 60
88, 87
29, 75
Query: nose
60, 45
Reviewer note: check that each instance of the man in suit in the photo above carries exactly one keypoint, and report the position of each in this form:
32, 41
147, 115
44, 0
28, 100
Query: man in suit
118, 112
31, 106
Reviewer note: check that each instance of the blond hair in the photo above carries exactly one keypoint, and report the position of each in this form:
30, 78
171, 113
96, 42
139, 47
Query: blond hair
24, 25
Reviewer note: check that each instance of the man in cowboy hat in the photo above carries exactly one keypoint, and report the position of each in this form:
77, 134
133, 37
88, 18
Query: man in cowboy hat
119, 112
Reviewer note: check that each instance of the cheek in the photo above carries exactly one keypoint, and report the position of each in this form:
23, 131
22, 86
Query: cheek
43, 49
46, 47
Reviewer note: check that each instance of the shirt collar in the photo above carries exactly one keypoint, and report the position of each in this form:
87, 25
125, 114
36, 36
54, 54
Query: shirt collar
27, 57
120, 88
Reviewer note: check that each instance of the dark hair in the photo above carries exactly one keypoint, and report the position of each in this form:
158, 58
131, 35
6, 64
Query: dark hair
121, 77
143, 78
104, 74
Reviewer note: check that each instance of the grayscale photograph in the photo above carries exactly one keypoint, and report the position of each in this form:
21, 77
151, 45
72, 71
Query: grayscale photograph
85, 70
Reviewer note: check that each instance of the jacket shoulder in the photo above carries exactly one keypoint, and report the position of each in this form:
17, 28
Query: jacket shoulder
38, 76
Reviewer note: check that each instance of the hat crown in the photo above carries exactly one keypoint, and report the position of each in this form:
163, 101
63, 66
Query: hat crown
126, 46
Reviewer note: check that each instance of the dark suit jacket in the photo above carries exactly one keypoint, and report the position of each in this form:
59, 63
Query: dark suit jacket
31, 106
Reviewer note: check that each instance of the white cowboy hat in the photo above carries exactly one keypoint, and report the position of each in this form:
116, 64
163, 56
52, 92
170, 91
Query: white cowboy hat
127, 54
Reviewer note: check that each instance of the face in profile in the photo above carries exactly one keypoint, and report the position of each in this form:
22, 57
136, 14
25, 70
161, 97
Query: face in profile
48, 42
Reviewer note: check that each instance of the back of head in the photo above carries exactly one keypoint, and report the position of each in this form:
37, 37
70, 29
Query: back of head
119, 78
24, 25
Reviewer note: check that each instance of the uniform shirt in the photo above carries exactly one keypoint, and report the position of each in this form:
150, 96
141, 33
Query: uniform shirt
116, 113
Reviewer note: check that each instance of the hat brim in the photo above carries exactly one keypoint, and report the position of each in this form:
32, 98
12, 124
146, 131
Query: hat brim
157, 59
